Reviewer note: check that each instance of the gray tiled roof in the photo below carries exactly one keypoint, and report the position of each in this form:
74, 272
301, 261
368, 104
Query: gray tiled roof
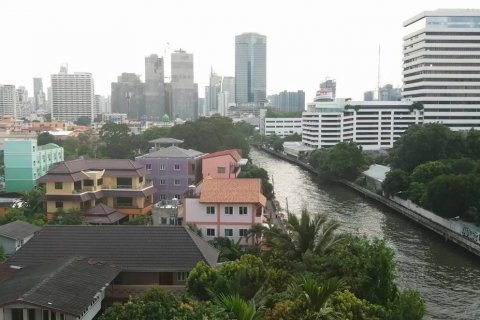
133, 248
103, 214
67, 285
18, 230
172, 152
166, 140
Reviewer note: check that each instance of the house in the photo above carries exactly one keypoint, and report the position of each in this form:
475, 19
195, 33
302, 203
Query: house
375, 175
225, 208
120, 184
146, 255
25, 162
64, 289
172, 169
15, 234
224, 164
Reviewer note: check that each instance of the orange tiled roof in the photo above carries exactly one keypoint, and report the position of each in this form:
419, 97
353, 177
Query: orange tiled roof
234, 153
232, 191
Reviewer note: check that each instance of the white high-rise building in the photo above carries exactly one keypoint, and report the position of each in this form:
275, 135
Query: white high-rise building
441, 66
22, 108
8, 97
374, 125
73, 96
184, 96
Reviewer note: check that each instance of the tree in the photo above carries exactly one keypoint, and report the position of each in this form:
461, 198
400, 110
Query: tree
252, 171
452, 195
141, 141
2, 254
118, 141
344, 160
426, 172
428, 142
315, 234
201, 281
237, 308
69, 217
83, 121
395, 181
472, 144
293, 137
255, 232
45, 138
346, 306
408, 305
229, 250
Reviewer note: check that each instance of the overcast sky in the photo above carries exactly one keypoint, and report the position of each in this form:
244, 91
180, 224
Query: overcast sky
307, 40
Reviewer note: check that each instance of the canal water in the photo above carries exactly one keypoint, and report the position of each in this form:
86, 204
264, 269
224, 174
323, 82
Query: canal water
447, 277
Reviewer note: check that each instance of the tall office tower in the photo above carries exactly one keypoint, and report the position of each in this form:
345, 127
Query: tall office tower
441, 66
73, 95
49, 98
289, 101
128, 96
329, 85
154, 87
369, 95
201, 107
38, 94
22, 103
183, 88
250, 68
8, 96
228, 85
385, 93
215, 87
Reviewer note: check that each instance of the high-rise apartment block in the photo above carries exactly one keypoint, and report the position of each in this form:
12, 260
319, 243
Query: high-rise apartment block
228, 85
250, 68
184, 90
22, 104
128, 96
8, 97
38, 94
289, 101
73, 95
441, 66
385, 93
155, 103
214, 88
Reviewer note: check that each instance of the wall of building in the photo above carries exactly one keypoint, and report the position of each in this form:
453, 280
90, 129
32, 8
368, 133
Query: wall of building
282, 127
210, 167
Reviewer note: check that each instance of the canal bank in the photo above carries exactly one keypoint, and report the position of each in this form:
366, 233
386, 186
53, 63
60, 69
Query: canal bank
446, 277
428, 220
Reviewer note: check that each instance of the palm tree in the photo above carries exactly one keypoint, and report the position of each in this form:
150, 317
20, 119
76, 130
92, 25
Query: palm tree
239, 308
303, 234
255, 232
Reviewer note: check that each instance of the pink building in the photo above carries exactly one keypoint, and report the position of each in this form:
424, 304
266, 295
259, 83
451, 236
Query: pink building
225, 208
224, 164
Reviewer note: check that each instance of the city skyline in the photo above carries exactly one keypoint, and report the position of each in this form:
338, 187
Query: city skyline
307, 42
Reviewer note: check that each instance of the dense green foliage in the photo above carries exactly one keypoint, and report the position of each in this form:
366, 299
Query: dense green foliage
83, 121
213, 134
32, 209
68, 217
344, 160
44, 138
317, 275
252, 171
438, 169
275, 113
2, 254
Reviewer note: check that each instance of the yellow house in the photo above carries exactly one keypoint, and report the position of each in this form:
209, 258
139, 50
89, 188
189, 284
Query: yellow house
107, 190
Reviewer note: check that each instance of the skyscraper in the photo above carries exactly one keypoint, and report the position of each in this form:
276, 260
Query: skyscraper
215, 87
73, 95
154, 87
8, 99
128, 96
184, 94
440, 66
38, 94
22, 104
228, 85
289, 101
250, 68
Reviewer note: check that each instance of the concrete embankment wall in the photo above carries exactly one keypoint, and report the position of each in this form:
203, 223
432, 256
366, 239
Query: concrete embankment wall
455, 231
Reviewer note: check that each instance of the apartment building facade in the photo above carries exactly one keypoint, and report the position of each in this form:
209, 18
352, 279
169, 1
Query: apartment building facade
374, 125
281, 127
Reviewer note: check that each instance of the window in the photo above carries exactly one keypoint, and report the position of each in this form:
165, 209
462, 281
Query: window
163, 197
100, 182
176, 182
210, 210
58, 185
58, 204
88, 183
220, 169
148, 166
228, 210
182, 276
31, 314
124, 202
163, 220
243, 210
140, 179
34, 163
176, 196
210, 232
17, 314
228, 232
172, 221
176, 167
162, 166
124, 183
242, 232
162, 182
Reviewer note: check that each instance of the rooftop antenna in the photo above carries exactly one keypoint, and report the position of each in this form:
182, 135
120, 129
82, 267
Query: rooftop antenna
378, 76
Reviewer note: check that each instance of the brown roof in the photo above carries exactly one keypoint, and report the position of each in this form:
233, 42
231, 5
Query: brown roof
234, 153
103, 214
232, 191
72, 170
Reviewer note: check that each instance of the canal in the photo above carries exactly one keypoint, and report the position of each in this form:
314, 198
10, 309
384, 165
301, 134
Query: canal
447, 277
